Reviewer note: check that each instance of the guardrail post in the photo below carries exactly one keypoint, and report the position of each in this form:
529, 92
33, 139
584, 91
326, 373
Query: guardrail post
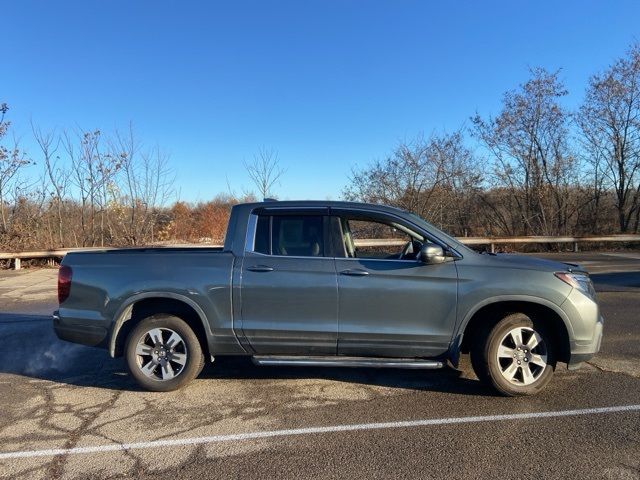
16, 264
575, 247
493, 248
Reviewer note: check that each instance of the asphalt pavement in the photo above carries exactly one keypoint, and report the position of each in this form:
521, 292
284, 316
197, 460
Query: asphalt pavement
70, 411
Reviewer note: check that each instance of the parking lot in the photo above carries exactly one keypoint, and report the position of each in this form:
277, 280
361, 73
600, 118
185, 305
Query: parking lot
72, 412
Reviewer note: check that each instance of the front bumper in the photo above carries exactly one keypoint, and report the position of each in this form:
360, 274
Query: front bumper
93, 336
581, 353
585, 327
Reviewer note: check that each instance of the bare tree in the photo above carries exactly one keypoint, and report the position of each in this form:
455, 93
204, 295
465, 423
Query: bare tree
407, 178
434, 177
145, 184
609, 120
528, 143
92, 171
12, 160
56, 177
462, 183
265, 171
84, 150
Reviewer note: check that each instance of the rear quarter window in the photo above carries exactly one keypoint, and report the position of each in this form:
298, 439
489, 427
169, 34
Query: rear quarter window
262, 244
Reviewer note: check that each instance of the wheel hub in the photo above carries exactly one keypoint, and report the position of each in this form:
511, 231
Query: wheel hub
160, 353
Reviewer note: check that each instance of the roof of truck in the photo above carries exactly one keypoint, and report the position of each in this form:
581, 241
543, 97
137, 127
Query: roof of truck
236, 236
320, 203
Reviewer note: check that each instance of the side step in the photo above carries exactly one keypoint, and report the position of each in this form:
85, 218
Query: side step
337, 361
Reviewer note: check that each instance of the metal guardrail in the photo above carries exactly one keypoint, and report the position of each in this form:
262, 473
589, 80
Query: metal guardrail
550, 239
59, 253
52, 255
491, 242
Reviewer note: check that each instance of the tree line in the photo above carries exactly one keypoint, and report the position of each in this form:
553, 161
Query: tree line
536, 168
97, 189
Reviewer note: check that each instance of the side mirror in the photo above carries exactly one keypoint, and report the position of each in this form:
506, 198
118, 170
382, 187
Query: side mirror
430, 253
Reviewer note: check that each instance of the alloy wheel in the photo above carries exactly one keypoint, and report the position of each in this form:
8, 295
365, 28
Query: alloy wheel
522, 356
161, 354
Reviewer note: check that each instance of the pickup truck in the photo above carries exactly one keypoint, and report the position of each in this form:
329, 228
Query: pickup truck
330, 284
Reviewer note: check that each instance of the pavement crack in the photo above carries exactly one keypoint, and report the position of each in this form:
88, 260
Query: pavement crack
55, 469
597, 367
624, 367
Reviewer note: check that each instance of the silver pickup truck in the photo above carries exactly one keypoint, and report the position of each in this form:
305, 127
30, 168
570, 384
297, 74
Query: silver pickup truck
330, 284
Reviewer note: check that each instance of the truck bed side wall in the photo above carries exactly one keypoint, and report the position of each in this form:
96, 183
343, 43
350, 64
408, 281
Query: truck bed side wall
104, 284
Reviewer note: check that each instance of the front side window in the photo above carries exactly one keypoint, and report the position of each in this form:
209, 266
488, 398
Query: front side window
364, 238
290, 235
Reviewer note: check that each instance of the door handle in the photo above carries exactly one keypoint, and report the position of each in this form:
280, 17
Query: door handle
355, 273
260, 268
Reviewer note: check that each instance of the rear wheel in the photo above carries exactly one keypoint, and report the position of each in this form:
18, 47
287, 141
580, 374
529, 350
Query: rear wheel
516, 356
163, 353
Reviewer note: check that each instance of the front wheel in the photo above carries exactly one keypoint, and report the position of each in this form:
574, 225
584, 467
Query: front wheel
516, 356
163, 353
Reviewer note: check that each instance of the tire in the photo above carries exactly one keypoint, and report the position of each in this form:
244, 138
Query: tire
163, 353
516, 356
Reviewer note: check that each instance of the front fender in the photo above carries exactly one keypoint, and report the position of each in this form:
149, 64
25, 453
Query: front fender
454, 349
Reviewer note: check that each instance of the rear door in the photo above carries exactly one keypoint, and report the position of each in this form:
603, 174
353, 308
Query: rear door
390, 304
288, 285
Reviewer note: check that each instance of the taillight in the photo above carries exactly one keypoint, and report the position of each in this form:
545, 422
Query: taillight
64, 283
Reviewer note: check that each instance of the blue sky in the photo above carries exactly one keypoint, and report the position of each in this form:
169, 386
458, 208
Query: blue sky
328, 84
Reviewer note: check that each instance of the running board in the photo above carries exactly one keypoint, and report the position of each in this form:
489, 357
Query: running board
337, 361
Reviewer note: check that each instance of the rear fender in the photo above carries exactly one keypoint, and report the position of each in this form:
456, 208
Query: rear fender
124, 314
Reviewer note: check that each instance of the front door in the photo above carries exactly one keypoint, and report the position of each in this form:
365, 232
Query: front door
288, 286
391, 304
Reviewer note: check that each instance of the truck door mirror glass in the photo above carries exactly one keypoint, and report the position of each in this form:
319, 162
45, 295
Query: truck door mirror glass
431, 253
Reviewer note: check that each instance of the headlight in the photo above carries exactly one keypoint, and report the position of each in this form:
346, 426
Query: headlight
580, 281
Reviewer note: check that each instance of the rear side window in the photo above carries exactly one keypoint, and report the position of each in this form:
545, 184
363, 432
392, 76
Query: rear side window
290, 235
298, 236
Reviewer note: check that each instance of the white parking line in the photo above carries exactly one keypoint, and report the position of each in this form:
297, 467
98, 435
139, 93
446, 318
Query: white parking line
239, 437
